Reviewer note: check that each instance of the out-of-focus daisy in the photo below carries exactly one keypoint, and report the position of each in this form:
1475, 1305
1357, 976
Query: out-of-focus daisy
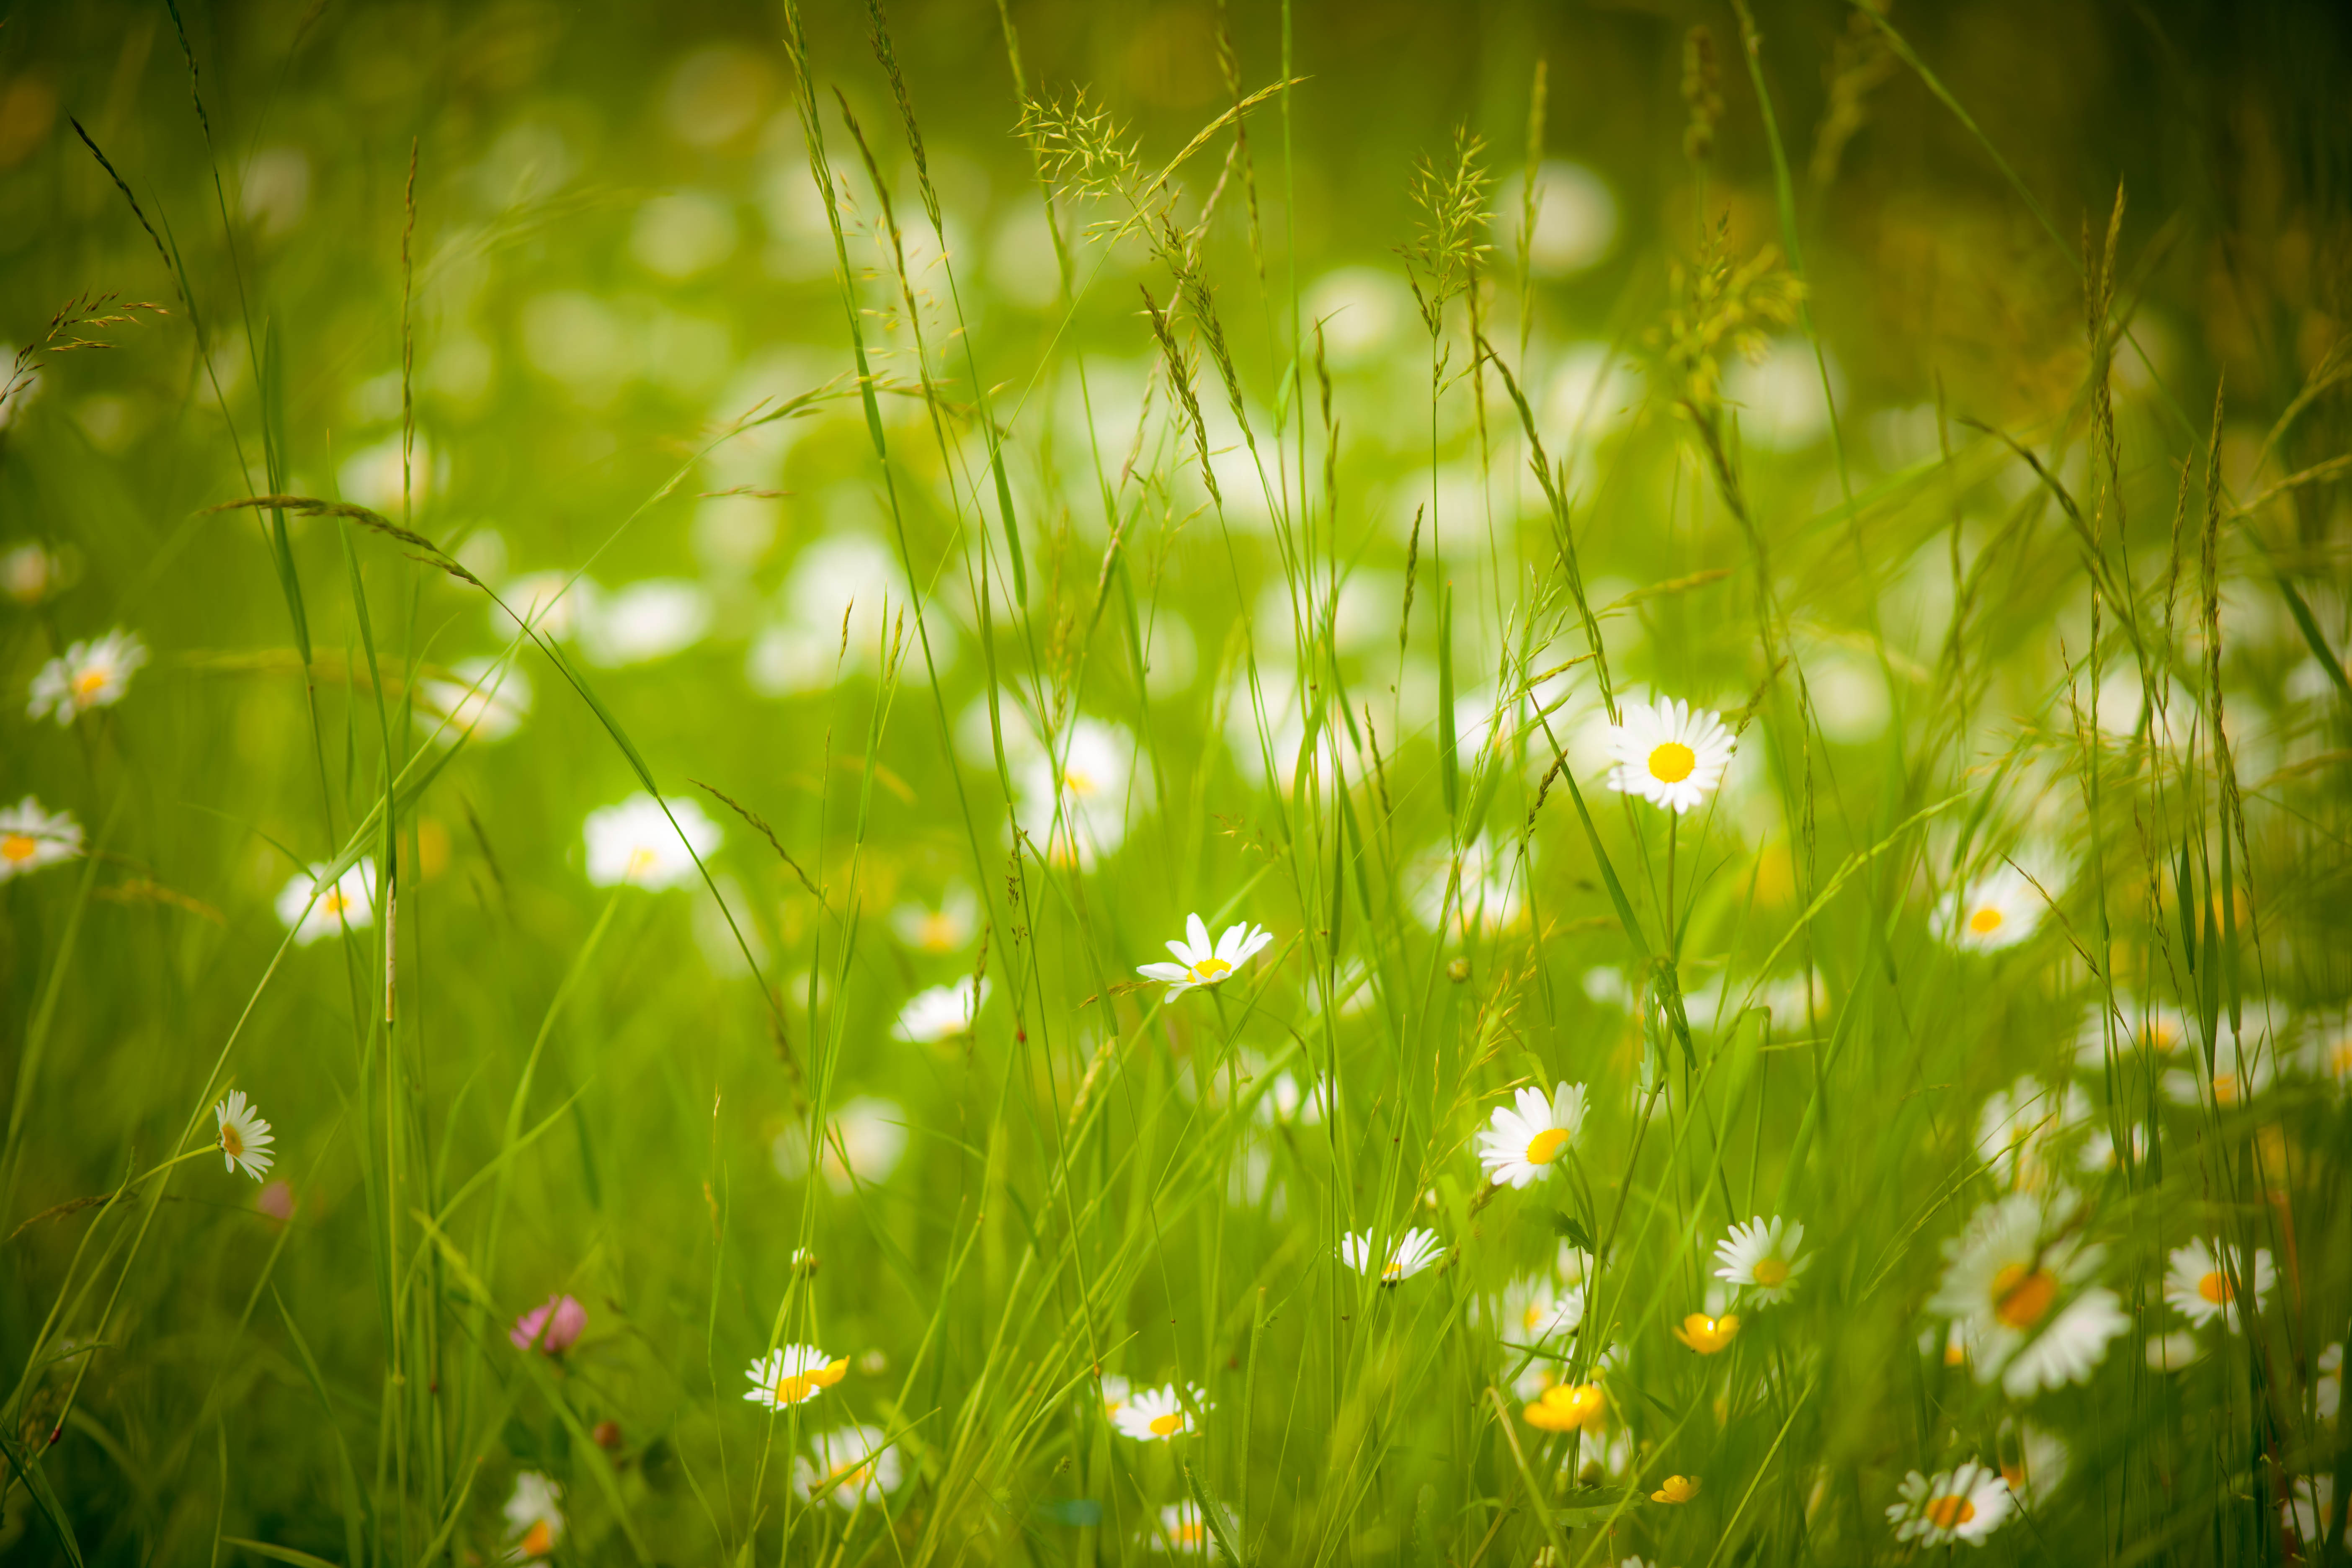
1988, 913
2019, 1280
2155, 1028
1285, 1104
550, 601
1098, 779
1761, 1258
244, 1137
1532, 1311
1198, 963
848, 1465
2034, 1461
1966, 1505
534, 1517
93, 674
2018, 1125
550, 1329
2202, 1286
485, 699
2327, 1388
2172, 1352
1114, 1393
2098, 1151
1707, 1335
1567, 1407
643, 622
1414, 1251
1524, 1139
29, 573
633, 842
946, 929
1156, 1414
941, 1013
1488, 896
349, 901
869, 1132
1667, 753
2328, 1049
794, 1373
1182, 1530
31, 838
2310, 1510
2230, 1086
1675, 1489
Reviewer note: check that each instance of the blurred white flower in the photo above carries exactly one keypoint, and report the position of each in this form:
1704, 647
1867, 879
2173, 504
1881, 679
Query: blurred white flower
849, 1465
643, 622
30, 573
31, 838
550, 601
1669, 754
1198, 964
2018, 1126
2327, 1388
1534, 1310
1997, 909
942, 1012
2040, 1464
2229, 1086
487, 701
1414, 1251
1184, 1531
244, 1137
633, 842
1760, 1258
1524, 1139
847, 581
534, 1517
945, 929
2155, 1027
869, 1131
2310, 1510
91, 674
1779, 397
683, 234
1488, 898
1966, 1505
2202, 1287
1359, 310
350, 901
2327, 1049
793, 1374
371, 476
2018, 1279
1159, 1413
274, 190
1576, 220
1285, 1104
2172, 1352
1099, 778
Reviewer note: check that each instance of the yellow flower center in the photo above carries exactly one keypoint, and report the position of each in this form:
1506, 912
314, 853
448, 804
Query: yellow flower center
1985, 921
2225, 1089
537, 1540
938, 933
2161, 1035
803, 1386
641, 861
2021, 1296
332, 902
2339, 1060
1950, 1513
1162, 1425
89, 683
853, 1472
2216, 1288
1769, 1272
1546, 1146
1671, 762
1208, 970
1077, 781
17, 847
2013, 1472
1190, 1534
1956, 1351
232, 1140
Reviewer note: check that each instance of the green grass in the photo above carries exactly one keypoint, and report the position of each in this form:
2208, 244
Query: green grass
993, 522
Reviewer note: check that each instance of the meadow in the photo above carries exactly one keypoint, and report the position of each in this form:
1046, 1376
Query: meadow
1289, 782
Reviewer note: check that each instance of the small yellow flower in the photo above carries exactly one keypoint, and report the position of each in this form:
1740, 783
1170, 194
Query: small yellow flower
1566, 1406
1676, 1489
1707, 1335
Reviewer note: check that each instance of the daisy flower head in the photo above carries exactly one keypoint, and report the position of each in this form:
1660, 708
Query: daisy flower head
1184, 1531
848, 1465
1668, 753
1077, 805
1524, 1139
1707, 1335
2155, 1028
244, 1137
1533, 1312
312, 910
2327, 1388
941, 1013
93, 674
1675, 1489
2020, 1286
2229, 1086
1964, 1505
484, 699
792, 1373
867, 1132
2327, 1051
1996, 909
2018, 1124
633, 842
30, 572
534, 1517
2033, 1462
1414, 1251
1761, 1258
1285, 1104
2202, 1286
1568, 1408
31, 838
2309, 1509
1115, 1391
1198, 963
1487, 897
1156, 1414
550, 1329
2173, 1352
940, 930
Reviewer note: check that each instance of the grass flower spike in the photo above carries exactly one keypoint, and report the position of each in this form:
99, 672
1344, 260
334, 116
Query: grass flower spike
1668, 754
244, 1137
534, 1517
1523, 1140
1761, 1258
1199, 964
1964, 1505
1415, 1250
31, 838
2202, 1286
1156, 1414
87, 674
794, 1373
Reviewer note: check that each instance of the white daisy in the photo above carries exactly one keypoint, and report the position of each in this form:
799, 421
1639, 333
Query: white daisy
2035, 1463
643, 622
1156, 1414
542, 598
29, 573
87, 674
2309, 1509
1761, 1258
1098, 778
1525, 1139
946, 929
2327, 1388
792, 1373
31, 838
2202, 1286
1997, 909
2229, 1086
868, 1131
1115, 1391
2099, 1152
1414, 1251
634, 843
2328, 1051
2018, 1124
484, 701
849, 1465
1285, 1104
349, 901
2018, 1280
534, 1517
1486, 897
1667, 753
2154, 1027
1182, 1530
941, 1013
244, 1137
1198, 964
1533, 1312
1966, 1504
2172, 1352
